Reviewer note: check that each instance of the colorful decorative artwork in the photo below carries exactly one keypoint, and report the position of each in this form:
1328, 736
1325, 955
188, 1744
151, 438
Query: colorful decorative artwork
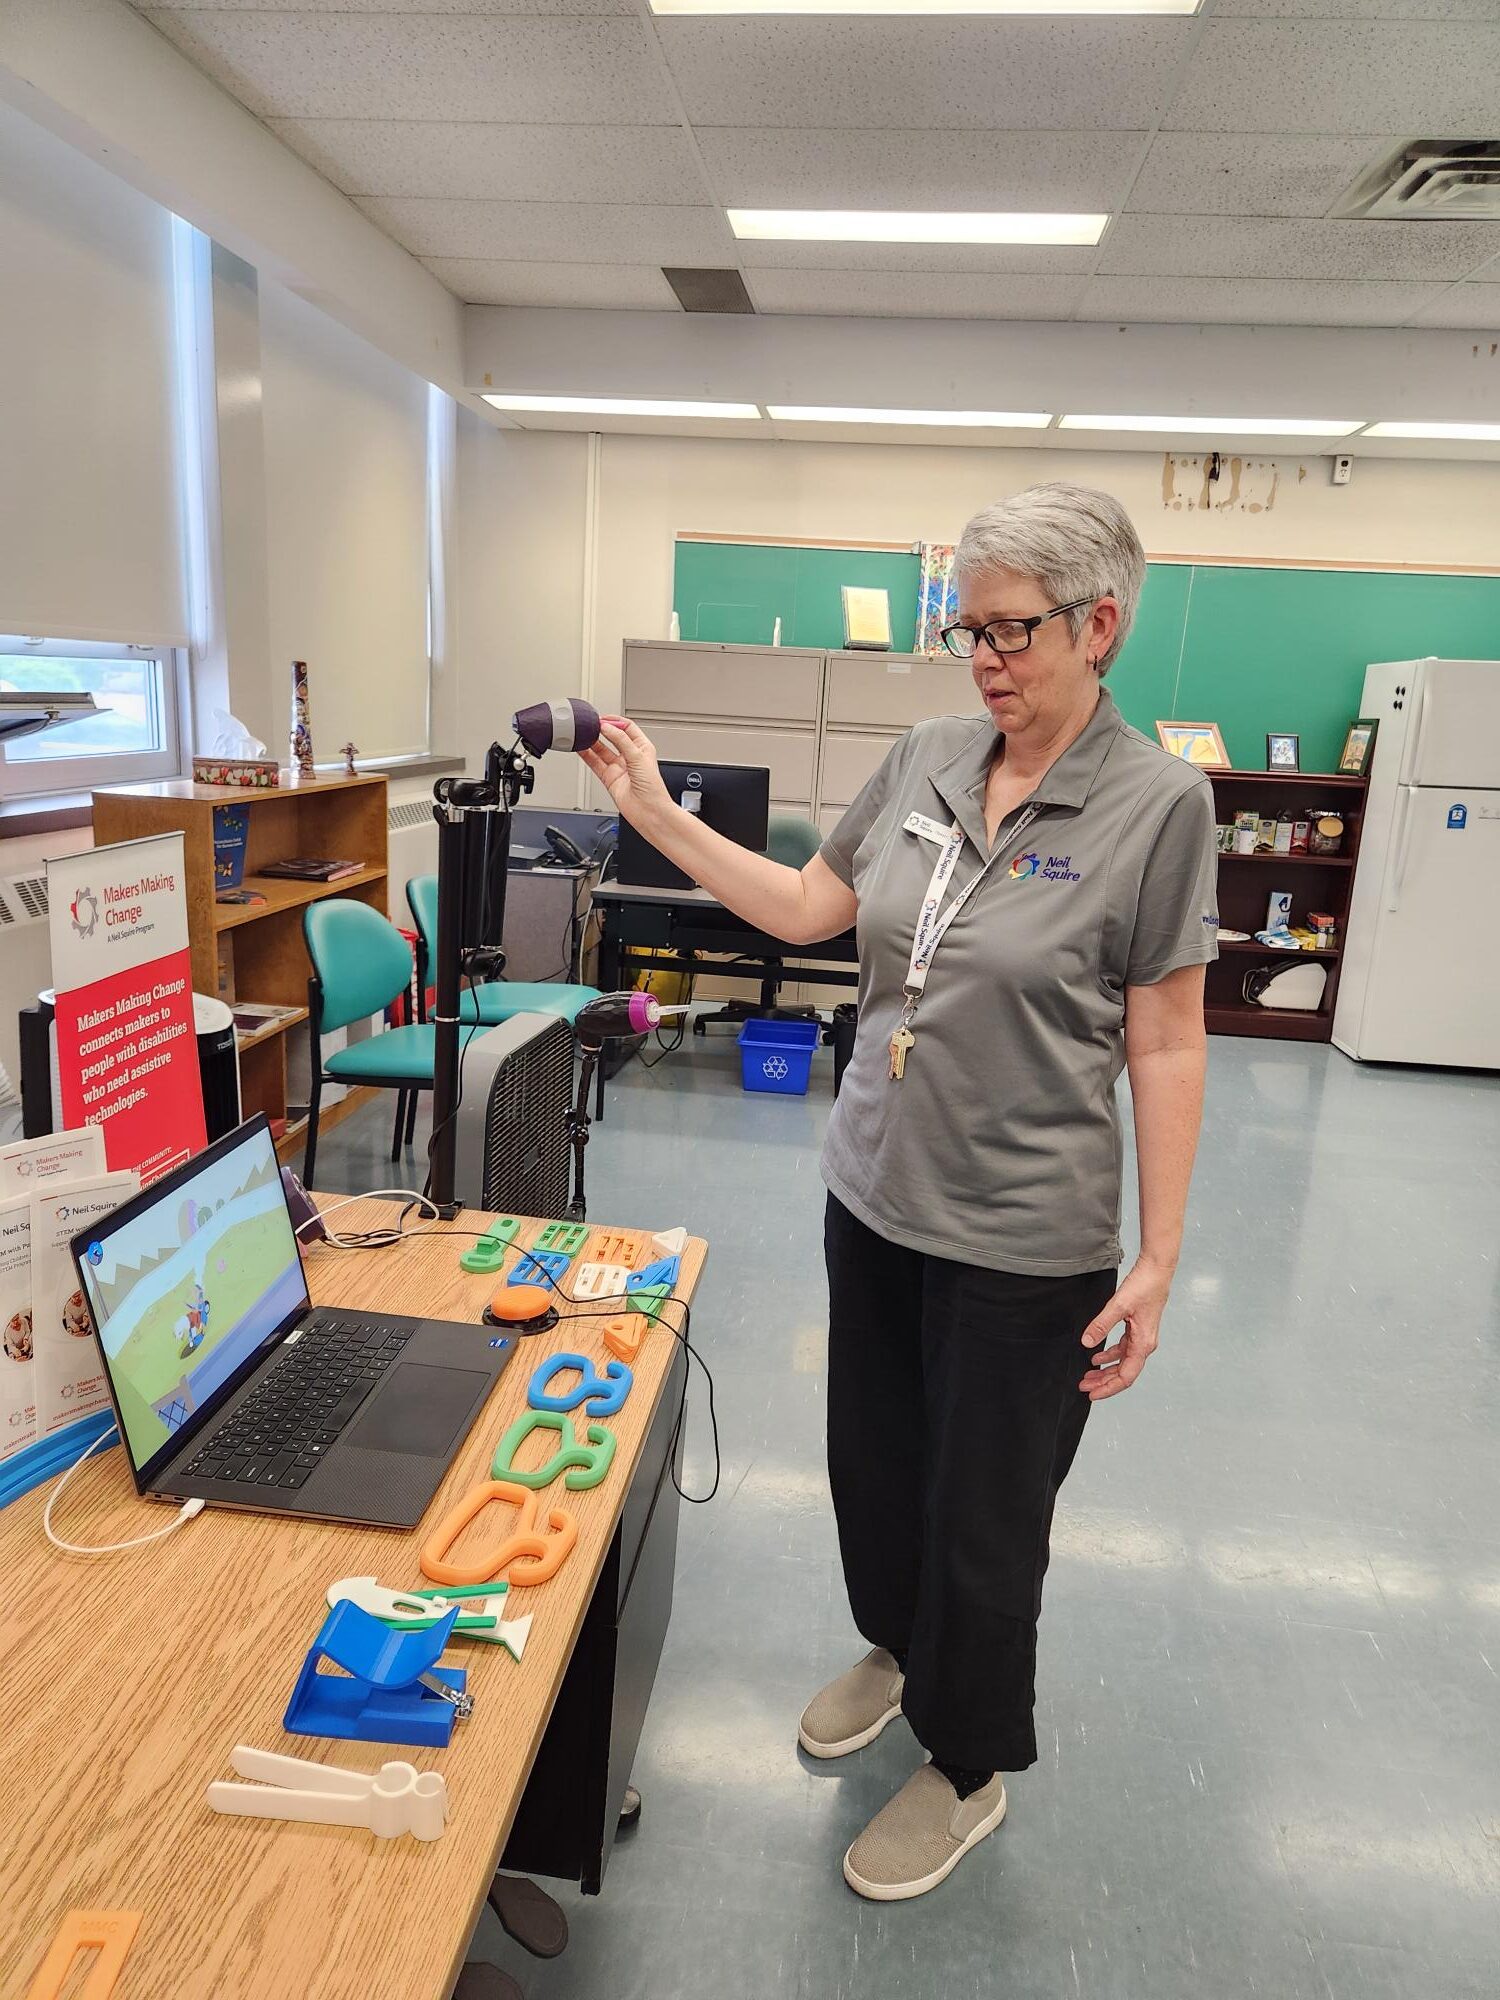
937, 595
302, 748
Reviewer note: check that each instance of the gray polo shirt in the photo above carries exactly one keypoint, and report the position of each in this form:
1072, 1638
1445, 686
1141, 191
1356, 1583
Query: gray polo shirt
1001, 1144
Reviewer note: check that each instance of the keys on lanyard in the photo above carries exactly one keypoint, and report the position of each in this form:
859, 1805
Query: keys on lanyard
932, 929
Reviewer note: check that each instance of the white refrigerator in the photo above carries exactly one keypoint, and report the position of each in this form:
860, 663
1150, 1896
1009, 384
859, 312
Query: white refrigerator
1420, 981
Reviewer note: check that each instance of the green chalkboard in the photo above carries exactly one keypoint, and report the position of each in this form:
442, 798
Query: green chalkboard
1253, 649
1271, 649
735, 592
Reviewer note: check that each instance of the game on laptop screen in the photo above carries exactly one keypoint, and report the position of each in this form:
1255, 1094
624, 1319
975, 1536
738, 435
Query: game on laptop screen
184, 1292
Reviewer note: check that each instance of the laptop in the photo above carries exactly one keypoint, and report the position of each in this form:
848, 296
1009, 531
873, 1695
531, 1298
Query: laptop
230, 1386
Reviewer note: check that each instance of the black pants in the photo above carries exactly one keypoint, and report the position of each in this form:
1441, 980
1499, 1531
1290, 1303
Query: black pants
954, 1413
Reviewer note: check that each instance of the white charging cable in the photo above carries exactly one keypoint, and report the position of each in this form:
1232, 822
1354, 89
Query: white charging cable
369, 1239
186, 1512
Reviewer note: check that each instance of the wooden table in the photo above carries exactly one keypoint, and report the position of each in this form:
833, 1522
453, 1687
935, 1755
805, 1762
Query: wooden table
128, 1680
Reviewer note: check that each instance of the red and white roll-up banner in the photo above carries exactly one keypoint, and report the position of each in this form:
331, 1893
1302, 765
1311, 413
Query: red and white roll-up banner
127, 1051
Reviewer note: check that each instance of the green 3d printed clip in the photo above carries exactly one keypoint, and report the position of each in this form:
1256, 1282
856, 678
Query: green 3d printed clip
569, 1237
585, 1464
488, 1254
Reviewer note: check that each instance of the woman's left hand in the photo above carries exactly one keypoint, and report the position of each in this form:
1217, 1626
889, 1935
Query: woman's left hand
1139, 1302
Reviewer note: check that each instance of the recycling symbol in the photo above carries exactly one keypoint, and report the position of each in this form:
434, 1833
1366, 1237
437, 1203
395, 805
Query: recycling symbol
774, 1067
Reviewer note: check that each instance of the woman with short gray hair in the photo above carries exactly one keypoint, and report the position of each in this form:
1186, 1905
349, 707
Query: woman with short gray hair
1035, 899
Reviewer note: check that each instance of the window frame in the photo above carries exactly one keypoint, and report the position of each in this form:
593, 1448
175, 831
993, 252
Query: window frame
92, 772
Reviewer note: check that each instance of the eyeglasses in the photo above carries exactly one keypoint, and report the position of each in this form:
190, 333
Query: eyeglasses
1003, 635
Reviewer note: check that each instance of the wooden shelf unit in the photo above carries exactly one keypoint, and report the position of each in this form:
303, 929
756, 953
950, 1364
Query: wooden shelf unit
1322, 882
261, 942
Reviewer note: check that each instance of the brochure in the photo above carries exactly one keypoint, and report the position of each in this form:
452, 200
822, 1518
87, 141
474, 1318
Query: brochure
69, 1372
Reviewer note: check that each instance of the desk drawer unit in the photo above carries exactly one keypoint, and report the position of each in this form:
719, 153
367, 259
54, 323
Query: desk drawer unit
566, 1822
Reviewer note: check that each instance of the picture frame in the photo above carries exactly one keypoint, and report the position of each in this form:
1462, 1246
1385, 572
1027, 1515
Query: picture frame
1359, 747
867, 618
1283, 751
1197, 743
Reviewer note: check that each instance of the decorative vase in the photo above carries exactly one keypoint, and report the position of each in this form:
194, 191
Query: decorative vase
302, 748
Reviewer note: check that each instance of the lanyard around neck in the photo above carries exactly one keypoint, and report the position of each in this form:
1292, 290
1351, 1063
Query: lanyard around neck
932, 928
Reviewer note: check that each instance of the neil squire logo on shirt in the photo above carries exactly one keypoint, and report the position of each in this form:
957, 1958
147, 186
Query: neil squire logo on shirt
1056, 868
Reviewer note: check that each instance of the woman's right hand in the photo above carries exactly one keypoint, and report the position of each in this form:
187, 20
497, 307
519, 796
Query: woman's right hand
624, 762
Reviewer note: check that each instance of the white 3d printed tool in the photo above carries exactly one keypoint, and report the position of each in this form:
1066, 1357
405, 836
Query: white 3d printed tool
395, 1799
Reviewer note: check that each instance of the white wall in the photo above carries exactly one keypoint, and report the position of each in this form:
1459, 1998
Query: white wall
347, 546
90, 521
522, 509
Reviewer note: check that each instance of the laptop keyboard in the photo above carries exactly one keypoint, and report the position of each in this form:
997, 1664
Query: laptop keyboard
280, 1433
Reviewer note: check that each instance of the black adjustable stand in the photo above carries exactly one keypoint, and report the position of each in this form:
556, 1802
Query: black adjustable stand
473, 821
578, 1124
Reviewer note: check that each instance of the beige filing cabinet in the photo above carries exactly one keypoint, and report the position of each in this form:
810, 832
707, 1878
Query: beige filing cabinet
732, 705
869, 701
820, 722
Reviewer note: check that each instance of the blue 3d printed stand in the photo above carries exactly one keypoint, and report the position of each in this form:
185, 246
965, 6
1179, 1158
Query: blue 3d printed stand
395, 1691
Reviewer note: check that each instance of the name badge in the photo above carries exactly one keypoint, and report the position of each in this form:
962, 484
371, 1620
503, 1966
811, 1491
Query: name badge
925, 828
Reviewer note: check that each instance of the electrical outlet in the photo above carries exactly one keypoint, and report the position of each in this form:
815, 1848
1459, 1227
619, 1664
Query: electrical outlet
1343, 468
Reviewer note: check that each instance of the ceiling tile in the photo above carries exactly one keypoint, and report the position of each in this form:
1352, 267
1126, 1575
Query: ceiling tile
1068, 171
1360, 10
914, 294
1465, 307
511, 71
1244, 173
1053, 260
1239, 246
484, 281
391, 156
1250, 302
1341, 76
943, 72
572, 232
385, 6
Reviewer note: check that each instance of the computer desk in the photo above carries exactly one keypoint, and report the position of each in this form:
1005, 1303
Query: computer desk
652, 923
129, 1679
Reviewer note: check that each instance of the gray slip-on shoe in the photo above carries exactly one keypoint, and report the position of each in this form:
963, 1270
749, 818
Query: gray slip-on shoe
851, 1711
921, 1836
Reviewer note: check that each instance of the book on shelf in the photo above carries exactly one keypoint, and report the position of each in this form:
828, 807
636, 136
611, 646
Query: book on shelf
250, 1016
310, 868
255, 1018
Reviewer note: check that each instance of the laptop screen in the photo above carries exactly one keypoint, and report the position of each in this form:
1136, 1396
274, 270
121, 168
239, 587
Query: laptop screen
187, 1284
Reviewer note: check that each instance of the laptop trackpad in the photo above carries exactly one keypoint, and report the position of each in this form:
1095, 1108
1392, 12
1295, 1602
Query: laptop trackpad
420, 1409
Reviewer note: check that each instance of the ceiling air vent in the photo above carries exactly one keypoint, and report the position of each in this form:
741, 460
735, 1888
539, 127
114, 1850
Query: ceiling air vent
708, 291
1430, 180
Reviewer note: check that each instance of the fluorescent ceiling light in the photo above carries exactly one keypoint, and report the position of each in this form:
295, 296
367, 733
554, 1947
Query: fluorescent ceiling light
925, 6
1220, 426
622, 406
871, 225
988, 420
1480, 433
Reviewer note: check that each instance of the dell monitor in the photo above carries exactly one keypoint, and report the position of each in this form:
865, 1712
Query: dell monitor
734, 799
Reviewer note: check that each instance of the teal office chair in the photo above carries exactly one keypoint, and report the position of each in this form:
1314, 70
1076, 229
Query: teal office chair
495, 1000
360, 964
793, 841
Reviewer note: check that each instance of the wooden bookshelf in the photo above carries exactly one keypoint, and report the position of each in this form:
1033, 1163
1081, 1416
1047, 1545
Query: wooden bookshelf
1323, 882
259, 945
